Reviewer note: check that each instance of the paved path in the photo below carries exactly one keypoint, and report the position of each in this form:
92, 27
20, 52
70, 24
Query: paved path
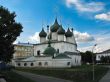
40, 78
106, 78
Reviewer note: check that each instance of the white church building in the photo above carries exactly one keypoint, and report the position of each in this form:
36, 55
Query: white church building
57, 49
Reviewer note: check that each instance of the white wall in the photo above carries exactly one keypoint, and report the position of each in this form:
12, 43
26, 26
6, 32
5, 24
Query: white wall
52, 63
60, 37
76, 59
73, 39
61, 63
42, 39
69, 39
54, 36
62, 46
99, 55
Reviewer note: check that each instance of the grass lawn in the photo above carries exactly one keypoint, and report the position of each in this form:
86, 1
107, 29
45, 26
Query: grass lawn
13, 77
77, 74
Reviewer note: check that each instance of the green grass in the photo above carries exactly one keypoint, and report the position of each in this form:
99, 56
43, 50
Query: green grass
77, 74
14, 77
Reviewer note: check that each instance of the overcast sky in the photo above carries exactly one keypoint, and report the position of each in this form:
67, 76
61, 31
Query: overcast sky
89, 18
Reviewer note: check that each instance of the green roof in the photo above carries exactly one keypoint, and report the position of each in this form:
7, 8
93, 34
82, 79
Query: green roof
49, 51
55, 26
62, 56
61, 30
68, 33
42, 33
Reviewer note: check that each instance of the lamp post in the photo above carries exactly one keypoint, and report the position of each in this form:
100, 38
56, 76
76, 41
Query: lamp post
93, 75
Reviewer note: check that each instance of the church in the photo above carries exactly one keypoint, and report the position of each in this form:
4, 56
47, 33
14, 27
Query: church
57, 49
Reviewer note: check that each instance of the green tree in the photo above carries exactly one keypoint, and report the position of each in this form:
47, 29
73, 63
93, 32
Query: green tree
87, 56
9, 31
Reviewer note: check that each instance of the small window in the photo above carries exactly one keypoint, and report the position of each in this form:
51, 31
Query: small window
46, 63
19, 64
68, 63
25, 64
38, 52
57, 50
32, 64
40, 63
75, 60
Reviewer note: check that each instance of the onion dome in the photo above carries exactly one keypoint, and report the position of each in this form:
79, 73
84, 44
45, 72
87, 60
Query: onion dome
68, 33
49, 51
42, 33
61, 30
55, 26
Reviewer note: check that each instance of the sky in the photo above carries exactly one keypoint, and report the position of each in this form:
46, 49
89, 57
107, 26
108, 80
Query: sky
89, 18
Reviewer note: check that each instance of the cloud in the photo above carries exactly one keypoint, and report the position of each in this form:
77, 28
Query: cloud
34, 38
103, 16
102, 42
83, 37
85, 7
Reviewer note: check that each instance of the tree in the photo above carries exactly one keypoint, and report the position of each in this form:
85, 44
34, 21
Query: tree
87, 57
9, 31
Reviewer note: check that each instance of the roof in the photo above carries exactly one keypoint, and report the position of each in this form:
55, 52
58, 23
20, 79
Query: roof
106, 51
68, 33
24, 44
61, 30
46, 42
72, 53
32, 58
55, 26
62, 56
42, 33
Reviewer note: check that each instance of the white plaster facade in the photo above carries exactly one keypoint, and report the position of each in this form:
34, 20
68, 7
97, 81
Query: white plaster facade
54, 36
104, 53
42, 39
61, 45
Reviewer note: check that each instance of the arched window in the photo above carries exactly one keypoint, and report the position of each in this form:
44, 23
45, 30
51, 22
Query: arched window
32, 64
68, 63
25, 64
38, 52
40, 63
46, 63
19, 64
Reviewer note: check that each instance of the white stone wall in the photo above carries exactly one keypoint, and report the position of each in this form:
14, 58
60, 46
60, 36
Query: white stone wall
69, 39
76, 59
42, 39
60, 37
61, 63
54, 36
28, 64
73, 39
98, 56
45, 62
62, 46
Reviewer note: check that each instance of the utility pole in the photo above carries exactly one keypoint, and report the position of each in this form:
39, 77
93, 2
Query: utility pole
93, 71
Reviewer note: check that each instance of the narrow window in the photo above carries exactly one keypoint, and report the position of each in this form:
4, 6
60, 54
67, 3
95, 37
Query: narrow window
68, 63
32, 64
40, 63
38, 52
19, 64
46, 63
25, 64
